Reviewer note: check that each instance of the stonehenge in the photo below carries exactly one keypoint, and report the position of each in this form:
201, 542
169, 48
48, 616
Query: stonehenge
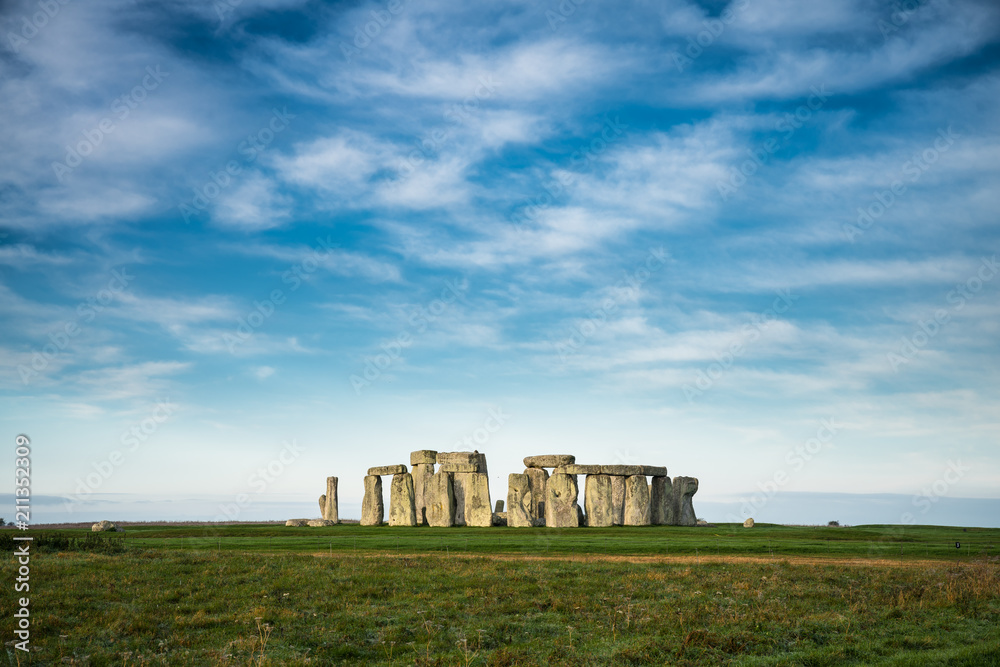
446, 489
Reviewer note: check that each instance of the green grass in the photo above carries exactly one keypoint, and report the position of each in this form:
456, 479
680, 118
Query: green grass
660, 595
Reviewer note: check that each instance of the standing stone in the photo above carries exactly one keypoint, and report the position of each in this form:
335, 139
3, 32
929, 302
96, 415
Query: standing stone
459, 481
636, 501
617, 500
498, 507
560, 502
440, 501
372, 509
581, 518
329, 506
683, 489
402, 508
538, 479
478, 511
519, 505
661, 511
422, 473
597, 500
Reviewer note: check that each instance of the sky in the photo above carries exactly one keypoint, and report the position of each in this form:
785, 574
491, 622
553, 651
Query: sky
245, 245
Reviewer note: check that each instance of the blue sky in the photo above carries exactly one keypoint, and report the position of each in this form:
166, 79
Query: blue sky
752, 241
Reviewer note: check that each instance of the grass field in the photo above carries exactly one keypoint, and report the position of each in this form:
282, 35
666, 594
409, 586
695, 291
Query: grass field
270, 595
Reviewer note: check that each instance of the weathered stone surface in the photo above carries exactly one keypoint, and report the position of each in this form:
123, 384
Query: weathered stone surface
104, 527
297, 522
748, 523
560, 502
387, 470
402, 506
423, 457
538, 479
478, 510
461, 467
653, 471
549, 460
618, 500
621, 470
457, 457
661, 510
329, 505
422, 473
440, 499
683, 489
597, 500
498, 507
519, 505
575, 469
459, 481
636, 501
319, 523
499, 518
482, 464
372, 509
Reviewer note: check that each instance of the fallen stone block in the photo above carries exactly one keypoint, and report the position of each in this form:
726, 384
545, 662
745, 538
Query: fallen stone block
297, 522
499, 519
319, 523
